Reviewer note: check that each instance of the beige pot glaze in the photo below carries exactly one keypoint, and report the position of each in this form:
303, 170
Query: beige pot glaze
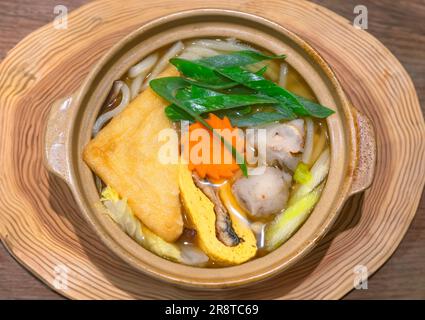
351, 138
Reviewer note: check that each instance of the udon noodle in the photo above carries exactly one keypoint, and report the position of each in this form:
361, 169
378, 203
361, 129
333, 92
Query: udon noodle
207, 214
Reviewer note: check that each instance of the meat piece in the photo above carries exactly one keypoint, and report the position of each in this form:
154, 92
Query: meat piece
223, 224
283, 143
263, 194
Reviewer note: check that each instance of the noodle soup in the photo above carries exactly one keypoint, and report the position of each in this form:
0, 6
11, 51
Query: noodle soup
226, 199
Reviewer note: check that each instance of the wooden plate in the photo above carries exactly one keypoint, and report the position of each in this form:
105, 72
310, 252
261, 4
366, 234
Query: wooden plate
40, 223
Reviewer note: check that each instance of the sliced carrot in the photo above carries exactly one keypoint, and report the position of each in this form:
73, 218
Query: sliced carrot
218, 163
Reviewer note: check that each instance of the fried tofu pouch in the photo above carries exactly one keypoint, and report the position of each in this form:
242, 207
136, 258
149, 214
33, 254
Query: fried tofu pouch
200, 211
125, 156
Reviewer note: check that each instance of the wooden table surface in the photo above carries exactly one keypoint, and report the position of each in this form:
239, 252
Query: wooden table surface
399, 25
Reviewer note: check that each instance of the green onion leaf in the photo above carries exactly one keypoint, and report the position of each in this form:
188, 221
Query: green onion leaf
225, 72
168, 88
201, 75
237, 59
302, 175
258, 118
201, 100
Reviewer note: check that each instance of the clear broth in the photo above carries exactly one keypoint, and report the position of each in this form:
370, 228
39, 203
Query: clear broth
294, 83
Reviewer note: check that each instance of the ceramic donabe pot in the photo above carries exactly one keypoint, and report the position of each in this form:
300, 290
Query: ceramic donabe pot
350, 133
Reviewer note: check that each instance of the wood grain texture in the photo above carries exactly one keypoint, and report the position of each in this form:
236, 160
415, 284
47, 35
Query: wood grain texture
375, 218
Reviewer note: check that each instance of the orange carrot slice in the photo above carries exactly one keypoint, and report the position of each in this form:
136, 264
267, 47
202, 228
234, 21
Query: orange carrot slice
206, 154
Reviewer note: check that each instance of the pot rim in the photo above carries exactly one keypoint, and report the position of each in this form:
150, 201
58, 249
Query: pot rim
278, 266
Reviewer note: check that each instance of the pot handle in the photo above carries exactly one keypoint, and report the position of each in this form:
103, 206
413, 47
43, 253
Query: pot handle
56, 136
366, 154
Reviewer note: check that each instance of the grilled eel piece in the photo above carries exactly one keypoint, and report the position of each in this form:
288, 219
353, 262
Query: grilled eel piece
223, 225
200, 211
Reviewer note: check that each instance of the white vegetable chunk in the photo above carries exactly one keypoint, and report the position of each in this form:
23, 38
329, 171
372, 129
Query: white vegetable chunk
263, 194
319, 172
308, 148
283, 74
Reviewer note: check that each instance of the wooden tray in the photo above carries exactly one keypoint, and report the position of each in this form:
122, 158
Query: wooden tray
41, 226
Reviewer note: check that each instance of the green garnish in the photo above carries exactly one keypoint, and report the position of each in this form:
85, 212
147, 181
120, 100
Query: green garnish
290, 220
168, 90
315, 109
302, 175
220, 85
257, 118
237, 59
225, 71
202, 71
286, 101
202, 75
202, 100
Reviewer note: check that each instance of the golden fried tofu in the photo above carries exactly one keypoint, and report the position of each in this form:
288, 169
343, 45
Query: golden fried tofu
125, 156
